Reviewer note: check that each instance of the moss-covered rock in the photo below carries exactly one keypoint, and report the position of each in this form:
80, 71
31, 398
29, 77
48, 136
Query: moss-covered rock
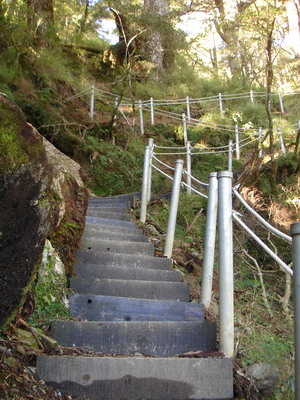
40, 194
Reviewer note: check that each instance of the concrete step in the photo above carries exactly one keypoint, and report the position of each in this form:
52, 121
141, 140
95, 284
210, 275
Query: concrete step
108, 308
154, 338
133, 230
121, 237
108, 208
110, 222
122, 260
109, 215
132, 288
99, 378
123, 199
115, 246
88, 271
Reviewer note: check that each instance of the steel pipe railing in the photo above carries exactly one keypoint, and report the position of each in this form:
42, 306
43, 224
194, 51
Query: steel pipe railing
173, 209
225, 234
210, 239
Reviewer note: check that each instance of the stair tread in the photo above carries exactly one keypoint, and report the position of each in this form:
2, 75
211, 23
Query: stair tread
132, 288
124, 260
129, 378
156, 338
113, 308
116, 246
113, 272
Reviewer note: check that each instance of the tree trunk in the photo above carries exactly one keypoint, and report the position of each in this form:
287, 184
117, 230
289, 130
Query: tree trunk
40, 15
85, 16
157, 10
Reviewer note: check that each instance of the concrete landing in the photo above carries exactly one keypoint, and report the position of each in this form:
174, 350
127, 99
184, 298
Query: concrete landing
139, 378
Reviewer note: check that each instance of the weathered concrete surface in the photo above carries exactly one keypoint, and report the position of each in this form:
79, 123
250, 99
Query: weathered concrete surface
123, 260
139, 378
154, 338
108, 308
108, 208
133, 230
134, 289
90, 271
94, 234
109, 214
110, 222
114, 246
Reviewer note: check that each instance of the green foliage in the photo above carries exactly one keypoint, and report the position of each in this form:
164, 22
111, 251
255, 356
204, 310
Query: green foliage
13, 154
115, 170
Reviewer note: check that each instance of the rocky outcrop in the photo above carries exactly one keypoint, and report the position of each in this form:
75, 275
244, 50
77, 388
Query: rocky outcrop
41, 196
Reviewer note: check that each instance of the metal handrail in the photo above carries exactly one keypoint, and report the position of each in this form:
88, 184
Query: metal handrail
282, 264
266, 224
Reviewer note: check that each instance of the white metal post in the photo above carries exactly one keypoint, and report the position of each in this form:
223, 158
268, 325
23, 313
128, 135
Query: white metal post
188, 168
188, 109
145, 185
260, 153
230, 156
151, 147
281, 103
141, 117
185, 137
210, 239
251, 96
151, 111
116, 109
92, 102
226, 294
237, 142
295, 233
173, 209
220, 103
282, 145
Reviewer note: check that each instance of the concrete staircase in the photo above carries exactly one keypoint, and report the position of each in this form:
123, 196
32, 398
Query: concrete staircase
133, 312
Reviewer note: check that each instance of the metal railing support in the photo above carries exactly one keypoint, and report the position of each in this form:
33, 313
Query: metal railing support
230, 151
210, 239
295, 233
145, 185
151, 146
188, 168
173, 209
237, 142
220, 103
251, 96
185, 137
151, 111
92, 103
282, 145
281, 103
141, 117
226, 301
260, 152
188, 109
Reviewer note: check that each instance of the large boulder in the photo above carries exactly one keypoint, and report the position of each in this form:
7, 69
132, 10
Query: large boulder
41, 196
